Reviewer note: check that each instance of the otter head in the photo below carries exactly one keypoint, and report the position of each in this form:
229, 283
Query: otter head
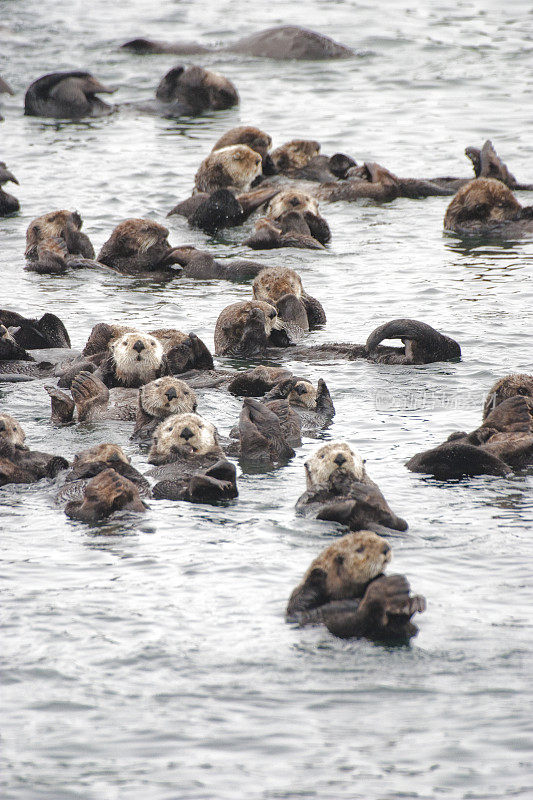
136, 245
183, 436
10, 430
291, 200
335, 458
166, 396
274, 282
484, 202
303, 394
254, 138
54, 225
168, 88
137, 356
342, 571
509, 386
237, 166
243, 329
108, 453
295, 154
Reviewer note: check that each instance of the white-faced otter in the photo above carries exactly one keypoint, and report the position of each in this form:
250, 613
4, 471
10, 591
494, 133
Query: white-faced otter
135, 359
160, 399
104, 494
66, 95
339, 490
191, 91
140, 247
245, 329
281, 42
91, 462
233, 167
54, 242
254, 138
11, 430
503, 441
345, 589
8, 203
275, 284
485, 206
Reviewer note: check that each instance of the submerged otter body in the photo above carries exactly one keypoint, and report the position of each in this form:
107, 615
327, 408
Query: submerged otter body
292, 220
282, 42
487, 207
8, 203
92, 462
66, 95
19, 464
345, 589
282, 287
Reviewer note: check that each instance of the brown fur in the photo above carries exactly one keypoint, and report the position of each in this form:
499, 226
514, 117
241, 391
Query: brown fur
138, 245
274, 282
509, 386
65, 225
483, 201
106, 493
109, 453
254, 138
232, 321
295, 154
172, 439
10, 430
230, 167
291, 200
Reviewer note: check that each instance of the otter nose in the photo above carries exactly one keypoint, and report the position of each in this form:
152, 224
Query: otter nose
339, 459
138, 346
186, 434
294, 201
385, 549
171, 393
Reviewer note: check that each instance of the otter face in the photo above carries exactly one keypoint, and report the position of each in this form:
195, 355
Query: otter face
10, 430
242, 326
352, 560
273, 283
137, 356
245, 134
509, 386
303, 394
291, 200
235, 166
295, 154
166, 396
138, 244
109, 453
483, 201
333, 458
182, 434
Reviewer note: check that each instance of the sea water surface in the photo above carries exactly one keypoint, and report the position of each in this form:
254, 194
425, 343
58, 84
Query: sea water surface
149, 658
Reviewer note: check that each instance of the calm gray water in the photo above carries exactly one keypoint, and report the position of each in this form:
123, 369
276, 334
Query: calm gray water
150, 659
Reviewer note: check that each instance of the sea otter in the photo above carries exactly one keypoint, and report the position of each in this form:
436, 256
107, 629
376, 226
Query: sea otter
5, 88
66, 95
191, 91
281, 42
487, 164
487, 207
267, 432
10, 430
35, 334
233, 167
314, 406
339, 490
345, 589
504, 440
292, 220
276, 285
211, 485
19, 464
54, 242
222, 208
91, 462
245, 329
8, 203
104, 494
140, 247
254, 138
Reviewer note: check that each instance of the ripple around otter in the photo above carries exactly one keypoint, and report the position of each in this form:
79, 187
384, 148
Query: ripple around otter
151, 657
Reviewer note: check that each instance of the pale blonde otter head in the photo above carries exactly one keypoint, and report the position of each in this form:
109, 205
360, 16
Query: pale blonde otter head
109, 453
274, 282
484, 201
254, 138
303, 394
295, 154
235, 166
137, 356
350, 563
183, 435
166, 396
334, 457
291, 200
10, 430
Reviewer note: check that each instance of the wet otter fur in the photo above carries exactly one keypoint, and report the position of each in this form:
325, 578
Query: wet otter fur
160, 399
66, 95
212, 485
267, 432
54, 242
506, 387
140, 247
294, 155
10, 430
91, 462
255, 139
19, 464
339, 490
345, 589
221, 209
191, 91
276, 284
182, 444
8, 203
314, 406
234, 167
246, 328
486, 206
104, 494
292, 220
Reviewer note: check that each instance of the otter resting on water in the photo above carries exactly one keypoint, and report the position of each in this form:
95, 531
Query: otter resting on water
504, 440
486, 207
339, 490
292, 220
5, 88
234, 167
104, 494
54, 242
345, 589
35, 334
8, 203
66, 95
191, 91
91, 462
314, 406
19, 464
282, 287
140, 247
247, 328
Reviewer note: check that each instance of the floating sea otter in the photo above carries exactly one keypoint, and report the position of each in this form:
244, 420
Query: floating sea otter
282, 287
105, 494
339, 490
19, 464
191, 91
283, 42
487, 207
55, 242
503, 441
140, 247
292, 220
345, 589
247, 328
66, 95
8, 203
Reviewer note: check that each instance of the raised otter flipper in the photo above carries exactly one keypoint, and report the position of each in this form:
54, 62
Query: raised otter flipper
260, 434
62, 405
104, 494
88, 392
423, 344
191, 353
33, 334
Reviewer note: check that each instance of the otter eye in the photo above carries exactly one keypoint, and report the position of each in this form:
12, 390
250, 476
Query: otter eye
152, 344
272, 314
339, 559
321, 456
360, 549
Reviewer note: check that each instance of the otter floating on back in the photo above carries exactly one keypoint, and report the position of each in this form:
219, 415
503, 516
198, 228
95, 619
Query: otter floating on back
486, 206
66, 95
191, 91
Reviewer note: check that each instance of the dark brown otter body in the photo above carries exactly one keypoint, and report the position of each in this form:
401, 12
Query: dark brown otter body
8, 203
105, 494
54, 242
19, 464
139, 247
487, 207
92, 462
191, 91
66, 95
